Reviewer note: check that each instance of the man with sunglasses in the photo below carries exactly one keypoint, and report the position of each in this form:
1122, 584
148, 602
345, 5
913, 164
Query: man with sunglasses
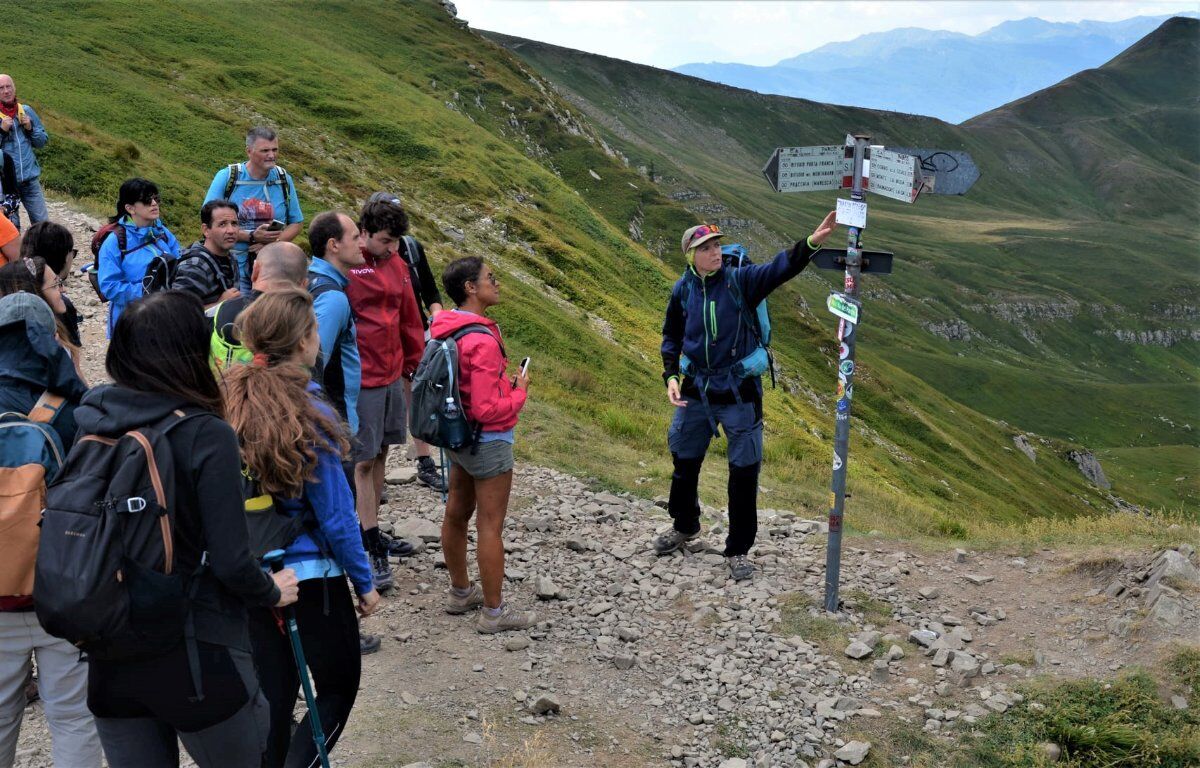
712, 364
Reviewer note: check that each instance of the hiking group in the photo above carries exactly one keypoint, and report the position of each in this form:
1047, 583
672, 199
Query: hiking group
186, 547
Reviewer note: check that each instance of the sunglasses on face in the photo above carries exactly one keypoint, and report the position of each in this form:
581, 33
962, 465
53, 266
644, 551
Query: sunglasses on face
490, 278
704, 230
150, 200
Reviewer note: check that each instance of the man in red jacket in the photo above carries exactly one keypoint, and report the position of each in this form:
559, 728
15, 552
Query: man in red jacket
391, 338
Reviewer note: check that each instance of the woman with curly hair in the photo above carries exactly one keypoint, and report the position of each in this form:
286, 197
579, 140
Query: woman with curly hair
292, 447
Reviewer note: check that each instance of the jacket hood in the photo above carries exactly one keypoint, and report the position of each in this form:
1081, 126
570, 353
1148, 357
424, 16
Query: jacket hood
448, 322
152, 230
112, 410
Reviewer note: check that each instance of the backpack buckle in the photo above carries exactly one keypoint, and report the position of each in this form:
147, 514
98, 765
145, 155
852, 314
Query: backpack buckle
135, 504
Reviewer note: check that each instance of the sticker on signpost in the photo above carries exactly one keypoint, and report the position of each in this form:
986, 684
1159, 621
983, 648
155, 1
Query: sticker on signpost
843, 307
852, 213
837, 462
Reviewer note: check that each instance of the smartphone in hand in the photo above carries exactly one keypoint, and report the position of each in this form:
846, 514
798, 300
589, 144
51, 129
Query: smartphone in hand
524, 366
276, 225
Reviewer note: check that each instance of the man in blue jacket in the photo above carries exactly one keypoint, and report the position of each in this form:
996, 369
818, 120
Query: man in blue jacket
21, 132
712, 363
334, 240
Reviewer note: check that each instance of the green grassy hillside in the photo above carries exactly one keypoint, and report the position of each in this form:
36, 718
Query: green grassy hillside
1038, 275
492, 161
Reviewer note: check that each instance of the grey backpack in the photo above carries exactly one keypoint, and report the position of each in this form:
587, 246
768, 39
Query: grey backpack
437, 415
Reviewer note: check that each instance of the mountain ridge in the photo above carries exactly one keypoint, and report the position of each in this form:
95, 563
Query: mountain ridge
949, 75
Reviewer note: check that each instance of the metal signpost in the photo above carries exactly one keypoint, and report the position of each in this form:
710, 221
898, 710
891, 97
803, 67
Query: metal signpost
895, 173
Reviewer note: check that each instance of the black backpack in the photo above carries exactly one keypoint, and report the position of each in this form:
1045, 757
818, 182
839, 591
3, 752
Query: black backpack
105, 577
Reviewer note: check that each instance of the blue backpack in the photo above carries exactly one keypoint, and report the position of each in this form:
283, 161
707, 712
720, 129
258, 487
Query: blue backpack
760, 360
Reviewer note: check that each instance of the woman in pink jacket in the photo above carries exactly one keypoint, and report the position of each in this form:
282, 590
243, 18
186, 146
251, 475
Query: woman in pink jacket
480, 476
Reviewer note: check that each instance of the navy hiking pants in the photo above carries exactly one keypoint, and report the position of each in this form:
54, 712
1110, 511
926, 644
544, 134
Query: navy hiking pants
689, 436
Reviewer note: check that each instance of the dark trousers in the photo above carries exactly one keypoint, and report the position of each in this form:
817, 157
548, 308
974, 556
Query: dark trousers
684, 503
331, 649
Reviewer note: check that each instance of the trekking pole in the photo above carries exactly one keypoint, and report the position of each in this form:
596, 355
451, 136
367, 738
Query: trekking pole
274, 560
442, 469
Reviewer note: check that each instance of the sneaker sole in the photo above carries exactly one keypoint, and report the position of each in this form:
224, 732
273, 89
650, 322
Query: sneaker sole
498, 630
455, 610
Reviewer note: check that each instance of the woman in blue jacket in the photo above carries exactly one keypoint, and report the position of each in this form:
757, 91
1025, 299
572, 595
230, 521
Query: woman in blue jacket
292, 446
712, 364
123, 269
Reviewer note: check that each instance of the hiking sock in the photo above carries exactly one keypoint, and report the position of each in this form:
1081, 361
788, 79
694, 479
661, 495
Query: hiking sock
494, 612
457, 592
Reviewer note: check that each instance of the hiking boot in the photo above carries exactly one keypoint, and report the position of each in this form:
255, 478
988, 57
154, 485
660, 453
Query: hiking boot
381, 571
459, 605
740, 568
395, 547
509, 618
428, 474
368, 644
672, 540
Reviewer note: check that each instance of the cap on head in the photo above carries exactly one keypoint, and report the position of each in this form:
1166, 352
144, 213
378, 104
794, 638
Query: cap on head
701, 233
384, 197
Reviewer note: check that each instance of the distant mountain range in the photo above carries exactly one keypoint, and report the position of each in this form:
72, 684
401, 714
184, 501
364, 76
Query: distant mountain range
947, 75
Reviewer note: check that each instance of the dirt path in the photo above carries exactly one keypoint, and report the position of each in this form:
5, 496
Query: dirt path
664, 661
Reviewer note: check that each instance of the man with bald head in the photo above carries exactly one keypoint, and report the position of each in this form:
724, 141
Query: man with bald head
279, 265
21, 132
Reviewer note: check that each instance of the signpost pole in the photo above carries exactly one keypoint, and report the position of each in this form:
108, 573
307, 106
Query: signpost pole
847, 338
901, 175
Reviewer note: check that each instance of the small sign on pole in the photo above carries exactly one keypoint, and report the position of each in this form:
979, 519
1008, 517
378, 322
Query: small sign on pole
852, 213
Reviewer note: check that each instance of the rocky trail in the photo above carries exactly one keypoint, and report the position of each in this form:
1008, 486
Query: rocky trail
642, 660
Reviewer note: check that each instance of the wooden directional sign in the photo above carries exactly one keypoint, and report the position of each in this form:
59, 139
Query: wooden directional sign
807, 169
945, 171
894, 175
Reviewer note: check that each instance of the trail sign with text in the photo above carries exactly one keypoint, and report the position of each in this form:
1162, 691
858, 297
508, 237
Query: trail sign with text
806, 169
901, 174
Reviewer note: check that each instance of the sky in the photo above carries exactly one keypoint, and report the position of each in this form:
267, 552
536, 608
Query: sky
670, 33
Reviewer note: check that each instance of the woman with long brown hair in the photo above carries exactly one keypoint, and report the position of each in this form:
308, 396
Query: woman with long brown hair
292, 445
203, 691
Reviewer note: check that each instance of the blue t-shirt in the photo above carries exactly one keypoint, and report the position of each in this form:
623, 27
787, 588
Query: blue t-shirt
258, 201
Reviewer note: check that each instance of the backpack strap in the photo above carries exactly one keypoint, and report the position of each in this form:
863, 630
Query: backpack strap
200, 252
287, 190
478, 328
411, 255
235, 172
735, 287
46, 408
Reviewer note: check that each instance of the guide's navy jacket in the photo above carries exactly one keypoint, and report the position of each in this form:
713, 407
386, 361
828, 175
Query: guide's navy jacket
709, 329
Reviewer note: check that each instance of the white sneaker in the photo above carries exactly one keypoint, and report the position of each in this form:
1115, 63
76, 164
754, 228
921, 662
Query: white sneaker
509, 618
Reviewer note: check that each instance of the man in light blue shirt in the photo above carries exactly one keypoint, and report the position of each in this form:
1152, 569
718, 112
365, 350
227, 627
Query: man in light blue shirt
265, 195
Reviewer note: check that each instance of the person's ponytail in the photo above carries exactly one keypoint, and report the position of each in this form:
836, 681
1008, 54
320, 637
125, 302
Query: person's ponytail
279, 425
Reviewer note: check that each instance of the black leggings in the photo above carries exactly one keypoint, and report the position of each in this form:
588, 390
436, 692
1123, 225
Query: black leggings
334, 663
684, 504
